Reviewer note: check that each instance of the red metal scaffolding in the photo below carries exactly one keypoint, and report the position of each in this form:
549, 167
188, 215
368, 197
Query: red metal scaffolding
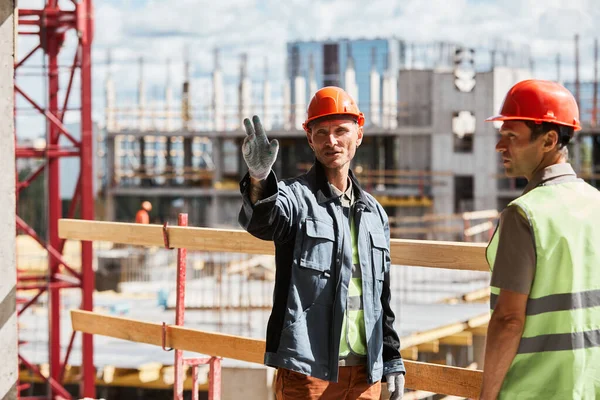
51, 25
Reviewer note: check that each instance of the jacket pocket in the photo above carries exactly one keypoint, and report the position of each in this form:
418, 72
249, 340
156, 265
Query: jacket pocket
307, 338
379, 250
317, 246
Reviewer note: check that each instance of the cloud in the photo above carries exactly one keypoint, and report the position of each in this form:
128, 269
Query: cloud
161, 30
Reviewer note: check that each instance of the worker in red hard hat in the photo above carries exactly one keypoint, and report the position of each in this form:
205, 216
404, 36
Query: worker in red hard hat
331, 332
543, 336
142, 216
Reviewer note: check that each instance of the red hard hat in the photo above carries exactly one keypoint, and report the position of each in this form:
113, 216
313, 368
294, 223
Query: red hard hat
332, 100
540, 101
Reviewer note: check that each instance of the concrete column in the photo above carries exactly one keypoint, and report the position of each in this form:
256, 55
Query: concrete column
111, 99
374, 117
287, 105
375, 91
109, 205
312, 81
255, 383
8, 290
267, 116
390, 101
218, 100
187, 156
214, 219
299, 106
168, 125
245, 94
479, 350
350, 80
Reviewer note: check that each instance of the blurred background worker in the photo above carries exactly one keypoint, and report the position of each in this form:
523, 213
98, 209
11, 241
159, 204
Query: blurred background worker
143, 216
544, 334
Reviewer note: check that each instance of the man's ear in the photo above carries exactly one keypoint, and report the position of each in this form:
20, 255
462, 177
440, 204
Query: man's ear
550, 140
360, 136
309, 138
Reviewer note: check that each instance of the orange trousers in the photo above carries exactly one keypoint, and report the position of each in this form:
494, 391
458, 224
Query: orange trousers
352, 385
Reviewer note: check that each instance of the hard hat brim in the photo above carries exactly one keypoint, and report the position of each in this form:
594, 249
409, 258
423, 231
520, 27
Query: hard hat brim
501, 117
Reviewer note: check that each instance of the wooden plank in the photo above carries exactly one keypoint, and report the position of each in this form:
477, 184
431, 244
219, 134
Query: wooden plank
435, 254
443, 379
443, 331
214, 344
477, 295
438, 254
480, 320
458, 339
430, 347
479, 331
420, 376
411, 353
419, 338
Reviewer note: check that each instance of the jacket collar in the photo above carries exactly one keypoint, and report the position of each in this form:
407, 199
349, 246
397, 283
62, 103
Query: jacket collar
323, 190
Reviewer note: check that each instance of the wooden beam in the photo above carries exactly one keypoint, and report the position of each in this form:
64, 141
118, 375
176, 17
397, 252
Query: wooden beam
443, 331
480, 320
434, 254
458, 339
420, 376
411, 353
480, 330
477, 295
215, 344
430, 347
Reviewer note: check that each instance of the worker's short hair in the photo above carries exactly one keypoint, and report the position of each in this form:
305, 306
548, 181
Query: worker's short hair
565, 133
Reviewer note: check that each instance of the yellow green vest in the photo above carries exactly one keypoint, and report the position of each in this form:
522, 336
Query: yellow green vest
559, 352
353, 338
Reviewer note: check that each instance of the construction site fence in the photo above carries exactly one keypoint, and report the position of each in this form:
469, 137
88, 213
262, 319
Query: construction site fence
412, 253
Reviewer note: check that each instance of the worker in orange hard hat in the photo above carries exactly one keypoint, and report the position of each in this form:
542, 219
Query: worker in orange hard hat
542, 339
331, 332
142, 216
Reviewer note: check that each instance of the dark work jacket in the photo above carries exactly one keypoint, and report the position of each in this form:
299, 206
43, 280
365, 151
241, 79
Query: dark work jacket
313, 254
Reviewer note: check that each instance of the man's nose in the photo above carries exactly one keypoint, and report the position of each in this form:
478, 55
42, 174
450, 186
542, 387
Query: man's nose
331, 140
501, 146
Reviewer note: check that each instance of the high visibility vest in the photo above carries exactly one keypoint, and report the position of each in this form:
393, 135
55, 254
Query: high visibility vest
354, 338
559, 353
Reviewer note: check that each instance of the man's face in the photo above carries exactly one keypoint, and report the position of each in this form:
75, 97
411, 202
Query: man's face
520, 155
335, 141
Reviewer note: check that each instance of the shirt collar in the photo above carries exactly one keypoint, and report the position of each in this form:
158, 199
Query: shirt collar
549, 173
346, 197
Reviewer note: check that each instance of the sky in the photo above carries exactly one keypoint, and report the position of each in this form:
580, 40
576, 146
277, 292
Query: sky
161, 30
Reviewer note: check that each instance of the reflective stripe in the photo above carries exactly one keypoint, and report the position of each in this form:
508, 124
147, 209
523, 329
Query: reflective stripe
560, 341
354, 303
563, 301
558, 302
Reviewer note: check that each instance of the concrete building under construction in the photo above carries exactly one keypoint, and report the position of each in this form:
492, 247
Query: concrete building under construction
188, 159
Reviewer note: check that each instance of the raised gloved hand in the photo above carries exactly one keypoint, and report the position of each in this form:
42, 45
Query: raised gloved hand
395, 384
259, 153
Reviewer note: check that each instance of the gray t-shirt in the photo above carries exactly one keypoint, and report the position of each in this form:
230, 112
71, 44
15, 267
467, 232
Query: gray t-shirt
514, 267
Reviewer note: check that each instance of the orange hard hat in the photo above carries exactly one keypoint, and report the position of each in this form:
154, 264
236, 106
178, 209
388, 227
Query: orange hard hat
332, 100
540, 101
146, 205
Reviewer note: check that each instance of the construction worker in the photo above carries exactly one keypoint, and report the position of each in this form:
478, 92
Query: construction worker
142, 216
330, 333
543, 338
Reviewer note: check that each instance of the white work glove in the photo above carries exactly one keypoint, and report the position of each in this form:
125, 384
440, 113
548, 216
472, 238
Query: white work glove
395, 385
259, 153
